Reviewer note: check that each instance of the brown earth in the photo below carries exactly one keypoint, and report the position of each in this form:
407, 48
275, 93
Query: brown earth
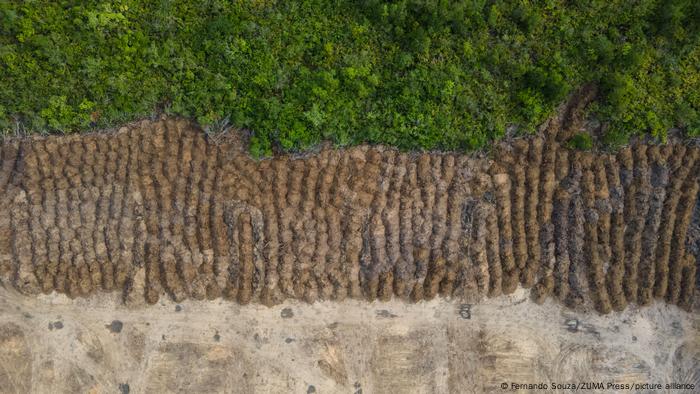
159, 208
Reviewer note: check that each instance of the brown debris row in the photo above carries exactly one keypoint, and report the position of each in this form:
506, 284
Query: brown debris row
509, 272
545, 226
659, 181
518, 205
616, 267
532, 227
578, 259
637, 219
159, 209
593, 223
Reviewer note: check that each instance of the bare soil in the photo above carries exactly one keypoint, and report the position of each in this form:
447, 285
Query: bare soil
52, 344
159, 208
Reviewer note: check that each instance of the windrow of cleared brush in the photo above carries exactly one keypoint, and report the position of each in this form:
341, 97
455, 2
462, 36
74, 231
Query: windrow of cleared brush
159, 209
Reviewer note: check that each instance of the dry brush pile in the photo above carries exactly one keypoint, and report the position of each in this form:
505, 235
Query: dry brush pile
160, 209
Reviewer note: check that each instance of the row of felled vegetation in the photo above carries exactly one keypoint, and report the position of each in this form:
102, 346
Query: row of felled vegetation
433, 74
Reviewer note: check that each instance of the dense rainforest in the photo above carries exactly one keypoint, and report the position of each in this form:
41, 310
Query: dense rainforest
416, 74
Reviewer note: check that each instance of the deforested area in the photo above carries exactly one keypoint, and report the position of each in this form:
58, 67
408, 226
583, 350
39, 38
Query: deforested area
160, 209
349, 196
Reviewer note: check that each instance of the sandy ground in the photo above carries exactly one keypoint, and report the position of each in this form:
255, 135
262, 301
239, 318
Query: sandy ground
51, 344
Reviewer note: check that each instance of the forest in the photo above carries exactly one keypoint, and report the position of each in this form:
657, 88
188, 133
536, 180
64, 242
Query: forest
415, 74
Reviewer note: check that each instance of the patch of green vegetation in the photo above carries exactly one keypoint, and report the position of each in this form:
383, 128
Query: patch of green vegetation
580, 141
431, 74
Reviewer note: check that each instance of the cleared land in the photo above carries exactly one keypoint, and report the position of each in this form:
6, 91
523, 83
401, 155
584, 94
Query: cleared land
51, 344
158, 208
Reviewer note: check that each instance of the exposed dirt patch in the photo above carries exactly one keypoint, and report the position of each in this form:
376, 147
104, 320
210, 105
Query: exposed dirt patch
428, 347
159, 209
15, 363
195, 368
